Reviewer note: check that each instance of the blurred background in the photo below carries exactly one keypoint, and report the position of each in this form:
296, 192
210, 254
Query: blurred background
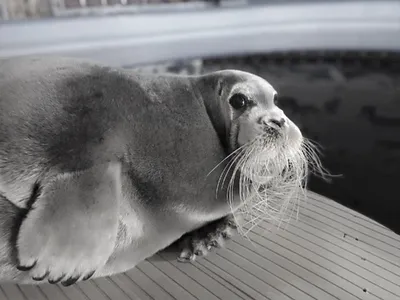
335, 63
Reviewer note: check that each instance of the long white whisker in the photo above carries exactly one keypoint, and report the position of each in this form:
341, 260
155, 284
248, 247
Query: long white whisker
266, 180
231, 154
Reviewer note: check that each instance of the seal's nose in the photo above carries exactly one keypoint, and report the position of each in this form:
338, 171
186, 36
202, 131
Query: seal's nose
279, 122
273, 121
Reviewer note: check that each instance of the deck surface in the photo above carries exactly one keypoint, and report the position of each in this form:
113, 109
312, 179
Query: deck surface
331, 252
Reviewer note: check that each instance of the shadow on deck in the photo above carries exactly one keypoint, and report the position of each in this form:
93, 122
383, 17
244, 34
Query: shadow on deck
331, 252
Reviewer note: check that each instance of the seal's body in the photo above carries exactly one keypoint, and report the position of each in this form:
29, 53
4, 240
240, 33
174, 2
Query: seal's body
101, 168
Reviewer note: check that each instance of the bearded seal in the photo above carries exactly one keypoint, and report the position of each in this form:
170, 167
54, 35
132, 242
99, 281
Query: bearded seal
100, 167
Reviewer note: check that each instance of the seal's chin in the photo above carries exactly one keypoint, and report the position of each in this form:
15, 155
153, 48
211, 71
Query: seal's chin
272, 166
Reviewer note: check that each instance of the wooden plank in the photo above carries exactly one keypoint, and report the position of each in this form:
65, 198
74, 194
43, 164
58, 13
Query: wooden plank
219, 292
357, 218
52, 292
320, 282
355, 215
164, 263
337, 274
367, 235
148, 285
318, 272
13, 292
32, 292
279, 271
177, 291
246, 278
329, 235
130, 287
348, 254
73, 292
224, 278
346, 268
91, 291
283, 286
336, 229
110, 289
2, 294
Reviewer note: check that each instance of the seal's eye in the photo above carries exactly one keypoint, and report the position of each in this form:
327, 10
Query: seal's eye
238, 101
276, 99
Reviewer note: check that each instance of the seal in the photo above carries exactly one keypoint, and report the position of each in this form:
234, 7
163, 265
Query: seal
100, 167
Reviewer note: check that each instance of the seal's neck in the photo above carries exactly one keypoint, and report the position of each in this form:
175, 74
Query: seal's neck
206, 88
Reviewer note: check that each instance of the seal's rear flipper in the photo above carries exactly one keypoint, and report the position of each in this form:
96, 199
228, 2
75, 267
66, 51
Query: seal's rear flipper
71, 229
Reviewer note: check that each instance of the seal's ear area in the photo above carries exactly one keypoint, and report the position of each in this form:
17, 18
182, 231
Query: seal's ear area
275, 99
220, 87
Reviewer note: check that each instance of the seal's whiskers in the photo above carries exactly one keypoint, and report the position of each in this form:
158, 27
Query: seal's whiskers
272, 181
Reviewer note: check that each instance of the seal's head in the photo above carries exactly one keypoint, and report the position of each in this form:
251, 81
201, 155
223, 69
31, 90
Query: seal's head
269, 157
254, 115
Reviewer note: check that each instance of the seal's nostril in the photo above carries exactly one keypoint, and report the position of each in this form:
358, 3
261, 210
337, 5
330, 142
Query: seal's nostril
279, 122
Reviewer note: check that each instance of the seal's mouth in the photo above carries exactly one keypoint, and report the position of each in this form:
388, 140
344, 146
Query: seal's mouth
267, 179
273, 132
279, 134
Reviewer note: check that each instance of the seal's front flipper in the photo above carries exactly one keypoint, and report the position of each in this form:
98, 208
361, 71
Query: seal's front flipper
202, 240
71, 229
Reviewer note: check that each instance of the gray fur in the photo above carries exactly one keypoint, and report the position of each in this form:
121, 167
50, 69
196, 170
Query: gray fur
62, 119
102, 167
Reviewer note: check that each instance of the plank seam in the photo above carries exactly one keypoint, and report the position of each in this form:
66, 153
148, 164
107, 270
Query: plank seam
230, 286
101, 290
349, 270
370, 229
183, 288
22, 292
271, 274
140, 270
347, 251
306, 268
288, 270
77, 287
133, 282
194, 278
244, 283
350, 242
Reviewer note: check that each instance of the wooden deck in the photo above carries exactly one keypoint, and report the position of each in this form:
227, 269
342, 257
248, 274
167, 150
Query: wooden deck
331, 252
